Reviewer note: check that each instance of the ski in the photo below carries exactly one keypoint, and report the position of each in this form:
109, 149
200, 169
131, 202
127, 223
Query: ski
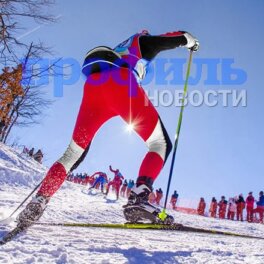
12, 234
132, 226
144, 226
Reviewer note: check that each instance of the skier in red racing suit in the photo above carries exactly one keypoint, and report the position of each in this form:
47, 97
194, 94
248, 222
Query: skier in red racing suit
113, 88
116, 182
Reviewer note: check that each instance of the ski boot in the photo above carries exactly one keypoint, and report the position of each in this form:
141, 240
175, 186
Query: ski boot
32, 212
139, 209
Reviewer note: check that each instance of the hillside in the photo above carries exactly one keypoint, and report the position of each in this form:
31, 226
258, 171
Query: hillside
71, 203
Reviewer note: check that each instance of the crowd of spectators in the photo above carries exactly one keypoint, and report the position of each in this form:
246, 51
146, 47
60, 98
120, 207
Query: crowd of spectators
233, 209
38, 155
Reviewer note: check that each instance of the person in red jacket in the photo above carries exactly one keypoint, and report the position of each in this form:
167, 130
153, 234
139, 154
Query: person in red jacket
222, 208
159, 195
240, 207
113, 88
213, 207
174, 199
201, 207
152, 198
116, 182
123, 188
250, 207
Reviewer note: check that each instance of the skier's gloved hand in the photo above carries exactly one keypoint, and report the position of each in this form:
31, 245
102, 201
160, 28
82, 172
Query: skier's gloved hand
192, 42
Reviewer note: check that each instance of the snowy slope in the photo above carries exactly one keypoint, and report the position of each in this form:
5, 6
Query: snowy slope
17, 169
88, 245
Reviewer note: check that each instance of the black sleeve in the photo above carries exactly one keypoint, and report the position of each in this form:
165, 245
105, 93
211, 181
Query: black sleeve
151, 45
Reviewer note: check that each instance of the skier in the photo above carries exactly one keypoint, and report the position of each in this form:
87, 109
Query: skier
113, 88
116, 182
174, 199
101, 180
130, 185
240, 207
123, 188
213, 207
250, 207
201, 207
222, 207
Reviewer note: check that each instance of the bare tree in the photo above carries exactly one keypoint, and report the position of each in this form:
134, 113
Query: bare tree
21, 102
12, 15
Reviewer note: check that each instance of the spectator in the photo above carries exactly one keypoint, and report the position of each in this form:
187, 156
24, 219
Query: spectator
174, 199
38, 156
152, 198
260, 207
240, 207
250, 207
222, 208
201, 207
213, 207
25, 150
130, 185
159, 195
86, 179
232, 208
31, 152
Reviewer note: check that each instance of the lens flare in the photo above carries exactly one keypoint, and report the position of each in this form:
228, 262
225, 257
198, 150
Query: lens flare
130, 127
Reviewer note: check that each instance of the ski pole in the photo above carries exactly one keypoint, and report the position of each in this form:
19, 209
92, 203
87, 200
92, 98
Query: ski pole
21, 204
163, 214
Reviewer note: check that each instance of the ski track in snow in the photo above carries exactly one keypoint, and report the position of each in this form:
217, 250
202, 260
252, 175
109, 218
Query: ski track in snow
47, 244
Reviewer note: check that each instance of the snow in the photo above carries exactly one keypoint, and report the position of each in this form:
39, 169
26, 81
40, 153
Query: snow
47, 244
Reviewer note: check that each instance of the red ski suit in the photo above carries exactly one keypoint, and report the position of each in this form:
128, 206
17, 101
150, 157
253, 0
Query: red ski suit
201, 207
213, 209
113, 89
250, 207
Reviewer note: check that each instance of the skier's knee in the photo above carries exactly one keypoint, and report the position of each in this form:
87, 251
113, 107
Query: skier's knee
159, 141
71, 156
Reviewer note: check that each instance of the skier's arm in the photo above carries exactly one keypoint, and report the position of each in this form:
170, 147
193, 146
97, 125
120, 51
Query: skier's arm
110, 168
96, 173
151, 45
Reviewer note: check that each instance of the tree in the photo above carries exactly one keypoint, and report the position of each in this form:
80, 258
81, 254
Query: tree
21, 103
12, 15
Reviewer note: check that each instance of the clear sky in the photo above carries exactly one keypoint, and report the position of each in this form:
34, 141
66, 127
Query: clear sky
221, 149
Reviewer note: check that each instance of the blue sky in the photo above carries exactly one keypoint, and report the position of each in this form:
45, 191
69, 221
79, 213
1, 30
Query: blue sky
221, 148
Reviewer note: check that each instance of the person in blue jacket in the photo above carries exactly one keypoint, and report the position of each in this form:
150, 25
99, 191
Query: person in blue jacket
130, 185
260, 206
101, 179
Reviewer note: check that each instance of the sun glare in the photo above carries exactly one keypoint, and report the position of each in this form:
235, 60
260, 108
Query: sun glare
130, 127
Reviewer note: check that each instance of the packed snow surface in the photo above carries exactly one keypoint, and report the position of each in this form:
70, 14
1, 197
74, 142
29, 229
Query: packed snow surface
47, 244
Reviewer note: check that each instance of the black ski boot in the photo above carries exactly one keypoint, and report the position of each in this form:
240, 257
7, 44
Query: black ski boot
139, 209
32, 212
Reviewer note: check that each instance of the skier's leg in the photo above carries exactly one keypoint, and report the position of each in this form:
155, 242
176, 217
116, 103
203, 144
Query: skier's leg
92, 114
108, 187
95, 183
139, 112
94, 111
